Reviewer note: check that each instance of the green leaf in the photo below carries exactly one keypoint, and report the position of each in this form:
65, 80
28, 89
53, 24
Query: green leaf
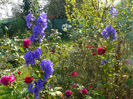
21, 49
101, 97
12, 51
129, 82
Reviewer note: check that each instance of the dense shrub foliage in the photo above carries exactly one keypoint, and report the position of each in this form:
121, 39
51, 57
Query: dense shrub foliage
95, 63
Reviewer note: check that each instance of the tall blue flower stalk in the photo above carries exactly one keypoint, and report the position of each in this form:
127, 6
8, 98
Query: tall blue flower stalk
31, 56
109, 32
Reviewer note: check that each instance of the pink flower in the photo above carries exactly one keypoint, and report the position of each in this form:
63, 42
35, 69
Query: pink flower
83, 91
68, 93
5, 80
74, 85
12, 79
74, 74
26, 43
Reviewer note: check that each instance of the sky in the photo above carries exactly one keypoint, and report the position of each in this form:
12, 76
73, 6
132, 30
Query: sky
6, 9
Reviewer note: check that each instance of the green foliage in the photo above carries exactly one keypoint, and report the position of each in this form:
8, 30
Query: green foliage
16, 27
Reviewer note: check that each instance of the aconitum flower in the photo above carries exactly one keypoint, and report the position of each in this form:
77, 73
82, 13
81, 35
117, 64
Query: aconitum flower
83, 91
30, 87
26, 43
113, 11
28, 19
37, 53
29, 58
109, 32
37, 32
37, 88
47, 66
101, 50
42, 20
103, 62
68, 93
5, 80
28, 80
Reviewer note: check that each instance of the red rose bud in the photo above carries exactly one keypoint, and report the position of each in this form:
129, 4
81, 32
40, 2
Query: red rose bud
53, 50
101, 50
94, 54
83, 91
74, 74
28, 80
26, 43
90, 86
89, 47
19, 72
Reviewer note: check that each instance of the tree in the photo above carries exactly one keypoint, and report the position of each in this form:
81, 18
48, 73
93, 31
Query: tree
56, 9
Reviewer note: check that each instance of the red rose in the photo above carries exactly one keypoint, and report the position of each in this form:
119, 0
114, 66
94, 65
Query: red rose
28, 79
19, 72
74, 74
83, 91
26, 43
101, 50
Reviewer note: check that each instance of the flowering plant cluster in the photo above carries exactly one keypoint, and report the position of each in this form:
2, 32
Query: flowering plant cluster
31, 57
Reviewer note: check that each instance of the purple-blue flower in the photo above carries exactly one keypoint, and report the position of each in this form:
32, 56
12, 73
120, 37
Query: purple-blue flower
103, 62
47, 66
37, 88
30, 88
29, 58
109, 32
37, 53
113, 11
28, 19
42, 20
36, 33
